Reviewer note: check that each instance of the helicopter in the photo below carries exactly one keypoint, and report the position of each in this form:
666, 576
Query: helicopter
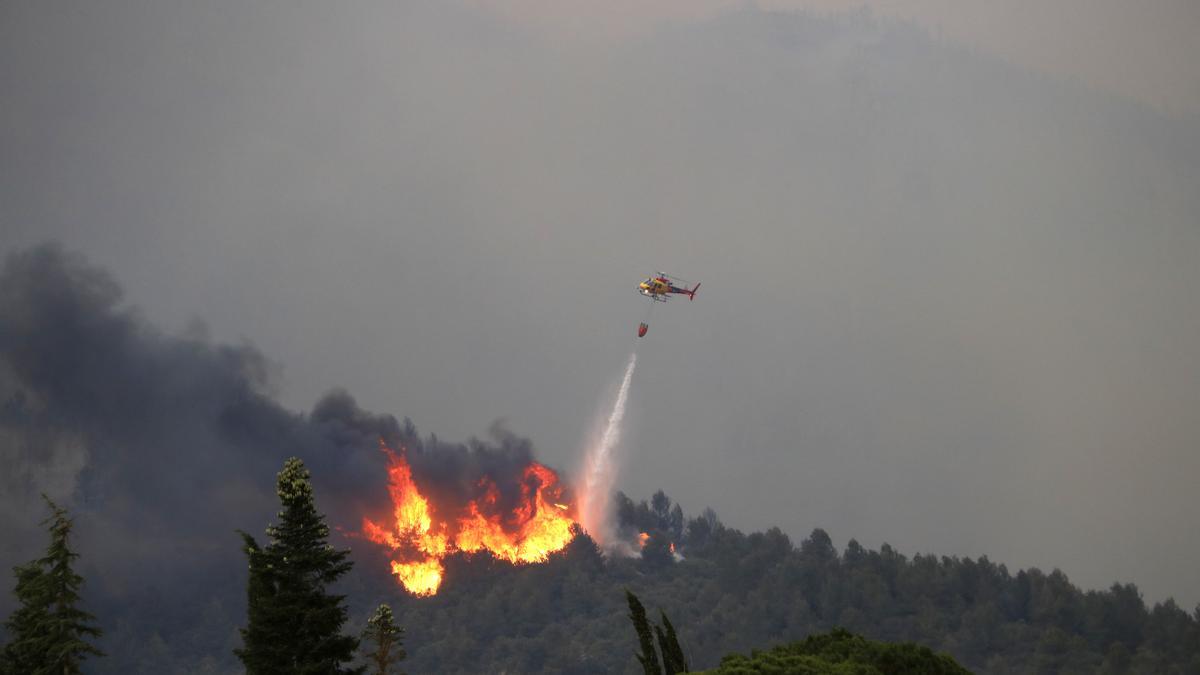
659, 288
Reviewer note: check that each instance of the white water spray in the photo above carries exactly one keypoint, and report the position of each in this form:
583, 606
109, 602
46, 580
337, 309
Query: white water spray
600, 472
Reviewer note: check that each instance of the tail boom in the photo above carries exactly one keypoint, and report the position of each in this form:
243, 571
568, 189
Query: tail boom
690, 292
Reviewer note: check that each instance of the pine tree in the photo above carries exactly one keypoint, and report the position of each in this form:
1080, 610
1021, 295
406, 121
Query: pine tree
648, 657
20, 654
48, 629
673, 660
294, 625
385, 639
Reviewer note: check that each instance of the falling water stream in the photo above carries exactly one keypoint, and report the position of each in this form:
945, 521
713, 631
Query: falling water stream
600, 472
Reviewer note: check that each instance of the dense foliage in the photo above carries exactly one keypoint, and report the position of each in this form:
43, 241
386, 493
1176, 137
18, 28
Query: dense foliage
294, 623
840, 651
48, 632
725, 591
732, 592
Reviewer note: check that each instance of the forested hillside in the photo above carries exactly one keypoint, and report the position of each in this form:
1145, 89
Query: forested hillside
729, 591
725, 591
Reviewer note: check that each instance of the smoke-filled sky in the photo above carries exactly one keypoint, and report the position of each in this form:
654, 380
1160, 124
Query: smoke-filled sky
950, 282
1144, 50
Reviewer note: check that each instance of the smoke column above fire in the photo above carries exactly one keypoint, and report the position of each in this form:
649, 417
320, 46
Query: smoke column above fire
600, 471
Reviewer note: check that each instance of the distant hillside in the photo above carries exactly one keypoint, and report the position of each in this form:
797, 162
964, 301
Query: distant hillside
725, 591
736, 592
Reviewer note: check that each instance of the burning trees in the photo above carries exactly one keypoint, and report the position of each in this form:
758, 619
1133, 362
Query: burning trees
294, 623
515, 511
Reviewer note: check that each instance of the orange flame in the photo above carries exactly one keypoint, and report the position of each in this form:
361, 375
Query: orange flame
420, 535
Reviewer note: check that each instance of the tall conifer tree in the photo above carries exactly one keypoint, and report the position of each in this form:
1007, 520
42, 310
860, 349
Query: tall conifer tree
648, 656
48, 629
294, 623
21, 654
673, 660
385, 640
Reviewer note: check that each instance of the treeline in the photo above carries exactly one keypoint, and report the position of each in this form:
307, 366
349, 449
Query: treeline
840, 651
988, 618
726, 593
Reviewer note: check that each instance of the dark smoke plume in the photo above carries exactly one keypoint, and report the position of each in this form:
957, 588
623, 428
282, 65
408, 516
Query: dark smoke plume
164, 444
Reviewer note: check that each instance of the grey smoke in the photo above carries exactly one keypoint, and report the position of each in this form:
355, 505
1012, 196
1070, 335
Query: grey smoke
162, 445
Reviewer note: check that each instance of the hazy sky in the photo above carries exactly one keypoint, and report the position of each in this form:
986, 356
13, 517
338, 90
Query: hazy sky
1144, 50
949, 293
